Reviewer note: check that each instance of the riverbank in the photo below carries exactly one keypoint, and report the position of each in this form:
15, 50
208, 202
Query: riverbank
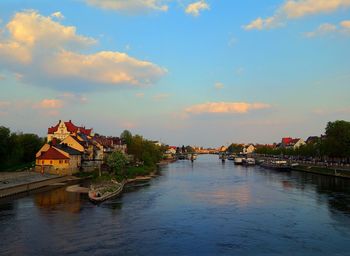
12, 183
335, 171
323, 171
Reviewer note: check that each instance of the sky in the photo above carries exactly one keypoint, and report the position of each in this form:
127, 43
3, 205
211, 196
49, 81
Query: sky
193, 72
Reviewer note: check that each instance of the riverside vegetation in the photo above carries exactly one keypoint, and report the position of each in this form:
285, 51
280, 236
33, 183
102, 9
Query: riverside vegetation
333, 146
17, 150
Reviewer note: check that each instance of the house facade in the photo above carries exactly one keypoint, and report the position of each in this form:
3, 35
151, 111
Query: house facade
63, 129
249, 149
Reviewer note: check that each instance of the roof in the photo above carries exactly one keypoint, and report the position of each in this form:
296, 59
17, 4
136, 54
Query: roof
52, 154
287, 140
72, 128
71, 151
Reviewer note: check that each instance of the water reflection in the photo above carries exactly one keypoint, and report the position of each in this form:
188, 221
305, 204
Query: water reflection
58, 199
238, 195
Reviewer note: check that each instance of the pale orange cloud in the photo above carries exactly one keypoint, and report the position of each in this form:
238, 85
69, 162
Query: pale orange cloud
31, 34
130, 6
195, 8
49, 104
226, 107
328, 28
293, 9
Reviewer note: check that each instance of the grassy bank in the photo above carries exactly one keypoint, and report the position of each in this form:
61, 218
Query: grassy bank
323, 171
130, 173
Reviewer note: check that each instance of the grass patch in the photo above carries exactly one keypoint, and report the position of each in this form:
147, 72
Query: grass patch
134, 171
322, 170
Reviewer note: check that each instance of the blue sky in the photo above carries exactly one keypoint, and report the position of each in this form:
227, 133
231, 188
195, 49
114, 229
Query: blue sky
185, 72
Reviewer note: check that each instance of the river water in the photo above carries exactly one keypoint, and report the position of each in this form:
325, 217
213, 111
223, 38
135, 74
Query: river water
204, 208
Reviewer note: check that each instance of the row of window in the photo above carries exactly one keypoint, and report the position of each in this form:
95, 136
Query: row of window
51, 162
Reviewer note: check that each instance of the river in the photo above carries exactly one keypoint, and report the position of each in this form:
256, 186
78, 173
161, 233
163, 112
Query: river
204, 208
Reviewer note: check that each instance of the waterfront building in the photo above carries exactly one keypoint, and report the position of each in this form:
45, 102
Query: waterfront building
53, 161
63, 129
292, 143
248, 149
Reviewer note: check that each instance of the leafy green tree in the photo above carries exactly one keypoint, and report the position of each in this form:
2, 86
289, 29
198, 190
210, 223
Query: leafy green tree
126, 137
117, 161
235, 148
337, 142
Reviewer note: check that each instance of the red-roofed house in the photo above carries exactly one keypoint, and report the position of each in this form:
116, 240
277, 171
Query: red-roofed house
60, 159
292, 143
52, 161
64, 129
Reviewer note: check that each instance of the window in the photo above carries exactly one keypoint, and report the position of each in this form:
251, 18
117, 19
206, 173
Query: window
60, 161
42, 162
50, 161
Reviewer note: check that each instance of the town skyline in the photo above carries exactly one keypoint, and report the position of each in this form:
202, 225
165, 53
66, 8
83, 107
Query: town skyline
182, 72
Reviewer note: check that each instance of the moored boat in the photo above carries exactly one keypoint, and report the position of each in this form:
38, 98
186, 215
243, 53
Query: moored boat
238, 160
249, 161
280, 165
106, 191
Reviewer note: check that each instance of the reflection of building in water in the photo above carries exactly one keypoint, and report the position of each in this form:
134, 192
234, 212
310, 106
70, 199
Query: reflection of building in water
59, 199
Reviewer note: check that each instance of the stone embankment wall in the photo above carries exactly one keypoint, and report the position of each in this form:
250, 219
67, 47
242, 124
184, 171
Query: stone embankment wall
17, 189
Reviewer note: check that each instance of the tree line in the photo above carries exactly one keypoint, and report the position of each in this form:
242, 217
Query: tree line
17, 149
145, 154
335, 144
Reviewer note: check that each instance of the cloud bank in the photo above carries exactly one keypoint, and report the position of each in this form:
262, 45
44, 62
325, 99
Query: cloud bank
130, 6
195, 8
331, 29
30, 51
226, 107
294, 9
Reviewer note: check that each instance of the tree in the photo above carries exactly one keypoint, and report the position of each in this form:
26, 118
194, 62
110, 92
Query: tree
235, 148
117, 162
126, 137
337, 142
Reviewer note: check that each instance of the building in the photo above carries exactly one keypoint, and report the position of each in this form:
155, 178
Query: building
248, 149
63, 129
53, 161
292, 143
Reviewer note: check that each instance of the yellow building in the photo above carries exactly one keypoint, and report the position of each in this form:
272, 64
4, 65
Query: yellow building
53, 161
59, 159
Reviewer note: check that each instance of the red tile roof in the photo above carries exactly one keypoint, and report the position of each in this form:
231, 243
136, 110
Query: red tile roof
52, 154
72, 128
287, 141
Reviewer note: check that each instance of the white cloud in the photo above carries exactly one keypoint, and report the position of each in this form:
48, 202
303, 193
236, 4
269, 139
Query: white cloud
130, 6
293, 9
330, 29
323, 29
45, 52
345, 24
300, 8
73, 98
225, 107
49, 104
57, 15
196, 7
260, 24
219, 86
